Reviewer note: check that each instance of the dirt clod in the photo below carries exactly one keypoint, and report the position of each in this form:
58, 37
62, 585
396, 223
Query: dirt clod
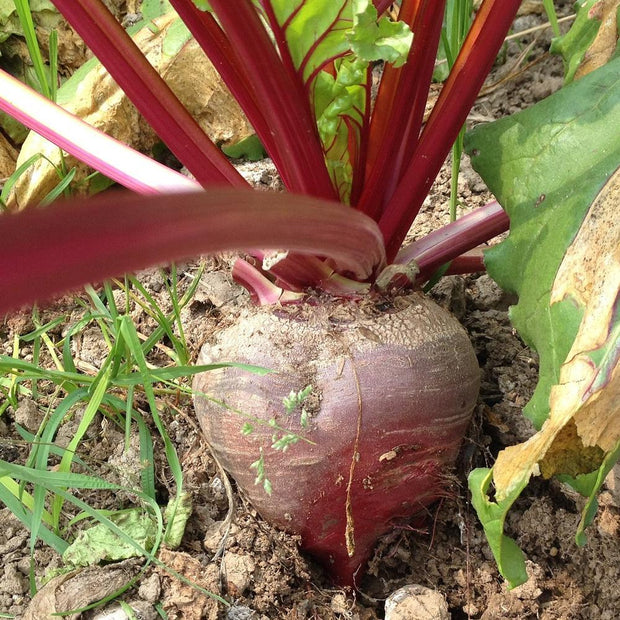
28, 415
13, 581
238, 571
150, 588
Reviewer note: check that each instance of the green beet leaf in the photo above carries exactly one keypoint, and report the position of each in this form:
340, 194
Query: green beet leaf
554, 168
509, 557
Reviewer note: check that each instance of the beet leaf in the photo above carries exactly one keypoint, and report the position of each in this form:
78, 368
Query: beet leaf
563, 260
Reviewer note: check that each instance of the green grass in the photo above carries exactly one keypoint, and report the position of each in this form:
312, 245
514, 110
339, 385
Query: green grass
459, 16
47, 490
46, 75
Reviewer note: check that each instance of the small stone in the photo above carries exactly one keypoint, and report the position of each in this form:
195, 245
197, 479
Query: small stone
140, 609
525, 22
28, 415
415, 602
240, 612
150, 589
460, 578
238, 572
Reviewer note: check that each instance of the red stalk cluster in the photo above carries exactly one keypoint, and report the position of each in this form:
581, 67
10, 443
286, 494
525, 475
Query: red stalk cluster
397, 156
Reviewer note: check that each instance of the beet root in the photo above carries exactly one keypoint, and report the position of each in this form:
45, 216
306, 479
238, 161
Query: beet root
393, 389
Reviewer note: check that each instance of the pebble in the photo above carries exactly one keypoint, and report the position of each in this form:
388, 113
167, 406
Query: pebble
240, 612
150, 588
612, 484
28, 415
415, 602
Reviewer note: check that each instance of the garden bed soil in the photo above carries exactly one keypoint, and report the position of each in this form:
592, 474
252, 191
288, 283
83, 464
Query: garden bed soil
261, 572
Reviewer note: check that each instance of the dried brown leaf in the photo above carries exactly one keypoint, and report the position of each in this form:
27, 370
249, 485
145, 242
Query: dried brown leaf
78, 589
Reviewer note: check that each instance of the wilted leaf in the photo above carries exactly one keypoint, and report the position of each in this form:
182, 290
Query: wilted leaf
554, 169
546, 166
99, 543
604, 45
177, 512
77, 589
43, 11
583, 420
8, 156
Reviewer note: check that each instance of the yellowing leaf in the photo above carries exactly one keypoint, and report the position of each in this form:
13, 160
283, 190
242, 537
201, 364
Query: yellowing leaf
583, 421
604, 44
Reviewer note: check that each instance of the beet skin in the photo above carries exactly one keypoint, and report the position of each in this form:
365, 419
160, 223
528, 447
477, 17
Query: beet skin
393, 387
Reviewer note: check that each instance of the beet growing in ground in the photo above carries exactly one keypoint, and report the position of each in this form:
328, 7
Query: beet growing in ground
452, 556
392, 383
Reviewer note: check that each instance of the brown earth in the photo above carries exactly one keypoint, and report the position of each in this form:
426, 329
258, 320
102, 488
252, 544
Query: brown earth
259, 570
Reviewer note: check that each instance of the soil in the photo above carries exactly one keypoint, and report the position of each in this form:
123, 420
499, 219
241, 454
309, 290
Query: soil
258, 569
